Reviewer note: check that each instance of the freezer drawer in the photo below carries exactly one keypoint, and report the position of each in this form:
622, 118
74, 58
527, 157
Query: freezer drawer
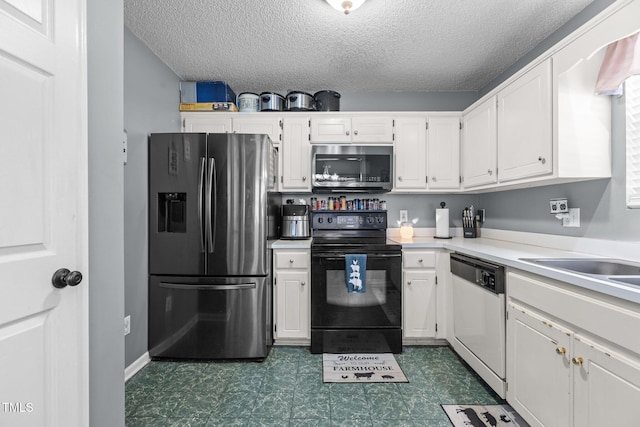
209, 318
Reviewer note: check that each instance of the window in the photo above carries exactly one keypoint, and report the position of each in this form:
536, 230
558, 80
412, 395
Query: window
632, 96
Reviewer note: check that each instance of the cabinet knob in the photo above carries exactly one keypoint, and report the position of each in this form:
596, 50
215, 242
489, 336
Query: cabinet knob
400, 178
304, 178
290, 261
302, 283
490, 172
542, 160
561, 350
355, 132
347, 133
577, 361
434, 179
420, 260
409, 282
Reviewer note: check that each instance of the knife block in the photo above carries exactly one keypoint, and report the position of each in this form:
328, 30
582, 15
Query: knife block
471, 232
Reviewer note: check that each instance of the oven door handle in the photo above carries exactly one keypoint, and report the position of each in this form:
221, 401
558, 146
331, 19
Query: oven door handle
341, 258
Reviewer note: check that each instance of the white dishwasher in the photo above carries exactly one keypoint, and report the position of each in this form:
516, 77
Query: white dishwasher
479, 322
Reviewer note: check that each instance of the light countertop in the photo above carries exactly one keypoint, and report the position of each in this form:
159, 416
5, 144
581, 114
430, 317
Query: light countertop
506, 253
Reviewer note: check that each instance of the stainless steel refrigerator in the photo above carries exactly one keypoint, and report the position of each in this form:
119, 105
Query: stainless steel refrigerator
213, 210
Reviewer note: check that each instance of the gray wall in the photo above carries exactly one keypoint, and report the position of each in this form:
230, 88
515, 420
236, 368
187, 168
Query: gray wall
151, 97
402, 101
106, 248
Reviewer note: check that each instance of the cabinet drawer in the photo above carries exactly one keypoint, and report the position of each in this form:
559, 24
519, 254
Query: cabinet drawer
292, 259
419, 259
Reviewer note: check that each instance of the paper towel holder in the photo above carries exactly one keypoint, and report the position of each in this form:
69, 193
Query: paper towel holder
442, 206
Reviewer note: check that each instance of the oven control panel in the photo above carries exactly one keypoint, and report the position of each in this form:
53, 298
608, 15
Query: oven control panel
349, 220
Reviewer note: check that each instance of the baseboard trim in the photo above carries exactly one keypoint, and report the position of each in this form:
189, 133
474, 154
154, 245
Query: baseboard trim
138, 364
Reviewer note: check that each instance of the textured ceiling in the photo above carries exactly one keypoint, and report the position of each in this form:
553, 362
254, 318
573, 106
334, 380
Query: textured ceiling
384, 46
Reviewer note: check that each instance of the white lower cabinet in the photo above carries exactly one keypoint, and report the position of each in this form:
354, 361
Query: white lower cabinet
569, 362
418, 295
292, 296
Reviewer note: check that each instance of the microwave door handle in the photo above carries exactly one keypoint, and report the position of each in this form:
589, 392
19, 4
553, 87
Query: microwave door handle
211, 198
200, 201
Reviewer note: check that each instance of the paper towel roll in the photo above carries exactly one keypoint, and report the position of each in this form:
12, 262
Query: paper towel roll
442, 223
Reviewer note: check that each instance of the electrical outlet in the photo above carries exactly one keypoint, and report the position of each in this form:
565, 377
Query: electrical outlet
404, 215
557, 206
127, 325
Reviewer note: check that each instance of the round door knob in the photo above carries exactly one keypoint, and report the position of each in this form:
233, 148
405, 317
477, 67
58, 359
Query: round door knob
561, 350
63, 277
577, 361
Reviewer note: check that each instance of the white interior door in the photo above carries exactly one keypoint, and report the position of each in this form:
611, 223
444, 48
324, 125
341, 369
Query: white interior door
43, 213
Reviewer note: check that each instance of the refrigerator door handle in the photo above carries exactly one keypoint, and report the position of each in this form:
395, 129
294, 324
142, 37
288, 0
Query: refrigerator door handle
200, 196
204, 287
211, 196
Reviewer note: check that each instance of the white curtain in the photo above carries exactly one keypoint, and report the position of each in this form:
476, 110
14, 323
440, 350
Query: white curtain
621, 61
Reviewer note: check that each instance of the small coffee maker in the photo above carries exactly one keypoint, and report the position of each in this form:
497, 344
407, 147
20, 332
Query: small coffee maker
295, 221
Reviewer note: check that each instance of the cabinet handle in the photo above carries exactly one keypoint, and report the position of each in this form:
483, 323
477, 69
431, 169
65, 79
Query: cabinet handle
577, 361
561, 350
490, 172
542, 160
355, 132
304, 178
302, 283
409, 283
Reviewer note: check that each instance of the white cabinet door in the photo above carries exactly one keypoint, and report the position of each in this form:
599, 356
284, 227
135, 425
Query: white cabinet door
479, 145
270, 125
209, 123
443, 153
331, 129
293, 303
372, 129
44, 342
538, 368
411, 153
524, 125
296, 155
606, 386
419, 301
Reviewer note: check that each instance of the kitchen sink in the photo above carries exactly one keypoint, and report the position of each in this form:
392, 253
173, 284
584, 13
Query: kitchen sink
592, 266
632, 280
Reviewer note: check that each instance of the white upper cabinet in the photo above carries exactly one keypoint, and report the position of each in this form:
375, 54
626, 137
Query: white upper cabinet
296, 155
411, 153
269, 125
331, 129
361, 129
372, 129
524, 125
204, 122
479, 145
443, 153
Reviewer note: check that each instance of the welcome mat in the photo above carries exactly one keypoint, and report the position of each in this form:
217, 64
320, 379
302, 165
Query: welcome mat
483, 416
361, 368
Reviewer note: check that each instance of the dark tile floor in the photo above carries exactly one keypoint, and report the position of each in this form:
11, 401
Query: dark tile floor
287, 390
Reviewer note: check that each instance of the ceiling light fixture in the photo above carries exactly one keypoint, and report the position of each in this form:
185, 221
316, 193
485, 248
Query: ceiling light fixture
345, 6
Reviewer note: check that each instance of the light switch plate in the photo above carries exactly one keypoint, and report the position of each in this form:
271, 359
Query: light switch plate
404, 215
572, 219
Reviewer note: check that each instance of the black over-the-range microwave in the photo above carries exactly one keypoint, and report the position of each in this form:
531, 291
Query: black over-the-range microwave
337, 168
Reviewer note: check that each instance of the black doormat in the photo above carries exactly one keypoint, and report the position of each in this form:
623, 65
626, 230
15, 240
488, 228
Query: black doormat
483, 416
